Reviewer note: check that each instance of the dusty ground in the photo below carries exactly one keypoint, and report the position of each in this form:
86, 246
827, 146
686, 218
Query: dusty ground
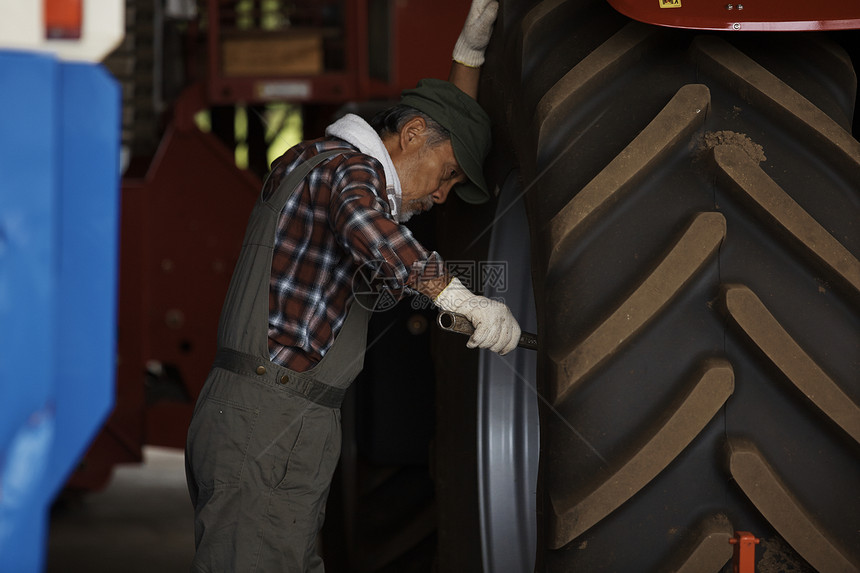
141, 523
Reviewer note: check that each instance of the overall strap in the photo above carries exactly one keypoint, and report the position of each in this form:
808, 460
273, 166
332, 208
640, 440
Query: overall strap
245, 314
243, 328
277, 200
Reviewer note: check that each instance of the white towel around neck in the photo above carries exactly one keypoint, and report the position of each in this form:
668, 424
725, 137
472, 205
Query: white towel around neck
354, 130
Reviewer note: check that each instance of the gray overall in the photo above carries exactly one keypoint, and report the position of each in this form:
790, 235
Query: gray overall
264, 440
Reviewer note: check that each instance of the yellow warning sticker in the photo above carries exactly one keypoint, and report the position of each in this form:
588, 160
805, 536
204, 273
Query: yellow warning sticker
670, 3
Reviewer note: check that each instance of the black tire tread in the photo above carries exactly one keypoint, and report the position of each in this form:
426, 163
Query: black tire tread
601, 127
708, 394
775, 500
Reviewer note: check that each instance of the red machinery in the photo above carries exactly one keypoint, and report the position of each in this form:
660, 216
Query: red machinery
759, 15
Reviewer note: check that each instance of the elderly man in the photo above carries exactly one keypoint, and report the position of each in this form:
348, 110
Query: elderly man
265, 437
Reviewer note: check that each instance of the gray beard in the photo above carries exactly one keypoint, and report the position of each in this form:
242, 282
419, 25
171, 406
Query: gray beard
413, 208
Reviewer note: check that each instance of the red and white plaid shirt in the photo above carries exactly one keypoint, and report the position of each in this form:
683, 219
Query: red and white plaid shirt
338, 221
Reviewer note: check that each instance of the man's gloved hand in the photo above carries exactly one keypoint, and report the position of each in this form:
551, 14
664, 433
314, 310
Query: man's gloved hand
472, 43
495, 327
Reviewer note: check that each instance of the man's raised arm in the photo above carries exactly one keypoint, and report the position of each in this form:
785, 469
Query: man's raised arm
469, 50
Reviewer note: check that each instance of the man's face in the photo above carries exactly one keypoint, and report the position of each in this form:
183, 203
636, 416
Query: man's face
427, 174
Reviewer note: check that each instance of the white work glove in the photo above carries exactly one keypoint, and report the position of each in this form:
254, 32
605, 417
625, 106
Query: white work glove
495, 327
472, 43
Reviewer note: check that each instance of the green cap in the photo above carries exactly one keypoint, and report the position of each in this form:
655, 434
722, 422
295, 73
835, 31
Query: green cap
468, 124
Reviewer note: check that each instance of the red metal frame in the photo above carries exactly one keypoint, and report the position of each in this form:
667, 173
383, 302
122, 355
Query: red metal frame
744, 15
422, 37
325, 88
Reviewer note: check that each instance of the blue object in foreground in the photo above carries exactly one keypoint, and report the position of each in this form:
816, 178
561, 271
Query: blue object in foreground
59, 223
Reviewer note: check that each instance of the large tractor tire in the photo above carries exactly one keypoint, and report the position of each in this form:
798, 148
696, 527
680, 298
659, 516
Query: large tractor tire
694, 211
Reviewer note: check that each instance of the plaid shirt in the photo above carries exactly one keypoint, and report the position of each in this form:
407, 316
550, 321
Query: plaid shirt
336, 222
